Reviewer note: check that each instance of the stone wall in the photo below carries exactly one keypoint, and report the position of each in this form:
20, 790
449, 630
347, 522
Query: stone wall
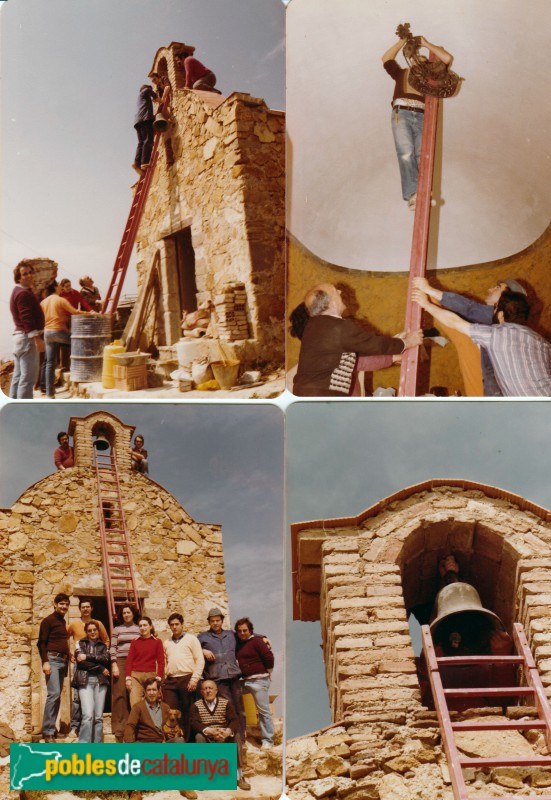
51, 541
369, 571
220, 175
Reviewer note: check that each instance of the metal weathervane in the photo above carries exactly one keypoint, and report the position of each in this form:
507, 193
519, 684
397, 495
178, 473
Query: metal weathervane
428, 77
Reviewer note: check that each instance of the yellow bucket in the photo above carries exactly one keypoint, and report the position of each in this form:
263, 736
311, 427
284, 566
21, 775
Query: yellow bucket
226, 373
108, 372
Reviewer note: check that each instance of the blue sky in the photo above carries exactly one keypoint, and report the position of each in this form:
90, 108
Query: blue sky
343, 457
223, 463
70, 74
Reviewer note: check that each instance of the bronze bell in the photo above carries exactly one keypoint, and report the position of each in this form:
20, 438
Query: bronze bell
160, 123
461, 599
101, 442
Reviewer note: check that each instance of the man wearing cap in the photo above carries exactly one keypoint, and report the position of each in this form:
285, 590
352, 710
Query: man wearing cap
521, 358
473, 311
221, 664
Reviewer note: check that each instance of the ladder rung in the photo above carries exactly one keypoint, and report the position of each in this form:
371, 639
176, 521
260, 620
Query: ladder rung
515, 761
490, 691
514, 797
456, 660
523, 724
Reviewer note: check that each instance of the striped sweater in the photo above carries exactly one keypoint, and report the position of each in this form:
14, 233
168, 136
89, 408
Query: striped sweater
222, 716
121, 639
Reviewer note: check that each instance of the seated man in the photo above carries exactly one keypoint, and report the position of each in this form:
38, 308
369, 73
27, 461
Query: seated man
145, 724
213, 719
330, 344
521, 358
473, 311
197, 75
138, 454
63, 455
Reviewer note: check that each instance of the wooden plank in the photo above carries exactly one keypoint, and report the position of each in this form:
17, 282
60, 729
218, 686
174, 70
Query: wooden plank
419, 245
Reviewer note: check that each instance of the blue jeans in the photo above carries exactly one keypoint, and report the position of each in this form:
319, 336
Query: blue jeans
92, 701
260, 688
54, 687
25, 367
407, 128
52, 340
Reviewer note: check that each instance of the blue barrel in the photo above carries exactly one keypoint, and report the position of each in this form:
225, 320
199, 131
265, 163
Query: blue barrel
89, 335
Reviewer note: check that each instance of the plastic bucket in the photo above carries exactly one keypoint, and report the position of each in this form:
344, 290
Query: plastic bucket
89, 335
108, 375
226, 373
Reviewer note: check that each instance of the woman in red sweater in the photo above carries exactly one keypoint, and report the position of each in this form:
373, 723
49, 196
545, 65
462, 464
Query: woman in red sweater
146, 659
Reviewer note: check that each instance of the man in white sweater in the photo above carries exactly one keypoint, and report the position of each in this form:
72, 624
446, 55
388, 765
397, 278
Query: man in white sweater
184, 666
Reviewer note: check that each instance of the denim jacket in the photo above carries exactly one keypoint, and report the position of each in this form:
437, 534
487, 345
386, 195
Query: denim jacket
225, 667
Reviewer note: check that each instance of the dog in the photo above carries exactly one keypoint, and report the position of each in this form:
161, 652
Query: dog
171, 728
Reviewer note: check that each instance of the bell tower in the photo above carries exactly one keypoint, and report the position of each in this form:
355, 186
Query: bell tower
85, 430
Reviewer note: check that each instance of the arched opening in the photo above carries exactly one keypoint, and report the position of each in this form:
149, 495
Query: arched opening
104, 437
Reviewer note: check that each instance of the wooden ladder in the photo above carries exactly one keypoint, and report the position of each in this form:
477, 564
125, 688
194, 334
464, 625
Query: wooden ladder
532, 688
122, 260
120, 580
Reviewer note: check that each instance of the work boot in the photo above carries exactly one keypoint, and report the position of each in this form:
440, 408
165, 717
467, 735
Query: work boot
189, 793
135, 795
243, 784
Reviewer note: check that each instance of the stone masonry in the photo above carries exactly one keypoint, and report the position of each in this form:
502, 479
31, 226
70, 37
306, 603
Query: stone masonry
219, 182
50, 538
360, 576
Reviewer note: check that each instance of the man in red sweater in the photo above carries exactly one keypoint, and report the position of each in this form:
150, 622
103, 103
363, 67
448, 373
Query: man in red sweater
28, 321
256, 662
197, 75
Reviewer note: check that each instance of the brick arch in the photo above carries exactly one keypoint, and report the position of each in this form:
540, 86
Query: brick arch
84, 429
165, 64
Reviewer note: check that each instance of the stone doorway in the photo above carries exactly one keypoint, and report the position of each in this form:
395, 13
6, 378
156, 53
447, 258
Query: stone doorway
185, 270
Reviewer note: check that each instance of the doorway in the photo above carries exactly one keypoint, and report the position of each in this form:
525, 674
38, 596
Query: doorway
185, 269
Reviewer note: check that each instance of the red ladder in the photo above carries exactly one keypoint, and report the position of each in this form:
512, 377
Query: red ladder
120, 580
533, 688
122, 260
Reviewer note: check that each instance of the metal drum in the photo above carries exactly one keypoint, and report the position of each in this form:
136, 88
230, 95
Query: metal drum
89, 335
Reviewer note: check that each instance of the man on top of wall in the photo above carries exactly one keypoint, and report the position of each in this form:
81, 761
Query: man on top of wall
330, 345
197, 75
64, 454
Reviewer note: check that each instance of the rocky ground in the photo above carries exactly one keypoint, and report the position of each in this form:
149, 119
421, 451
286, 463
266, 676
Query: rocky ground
408, 763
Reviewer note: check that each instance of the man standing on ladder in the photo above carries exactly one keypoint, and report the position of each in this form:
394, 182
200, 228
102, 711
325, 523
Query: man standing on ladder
408, 106
143, 122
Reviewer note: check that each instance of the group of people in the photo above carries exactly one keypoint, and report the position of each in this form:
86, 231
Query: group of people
151, 99
515, 360
43, 326
201, 679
